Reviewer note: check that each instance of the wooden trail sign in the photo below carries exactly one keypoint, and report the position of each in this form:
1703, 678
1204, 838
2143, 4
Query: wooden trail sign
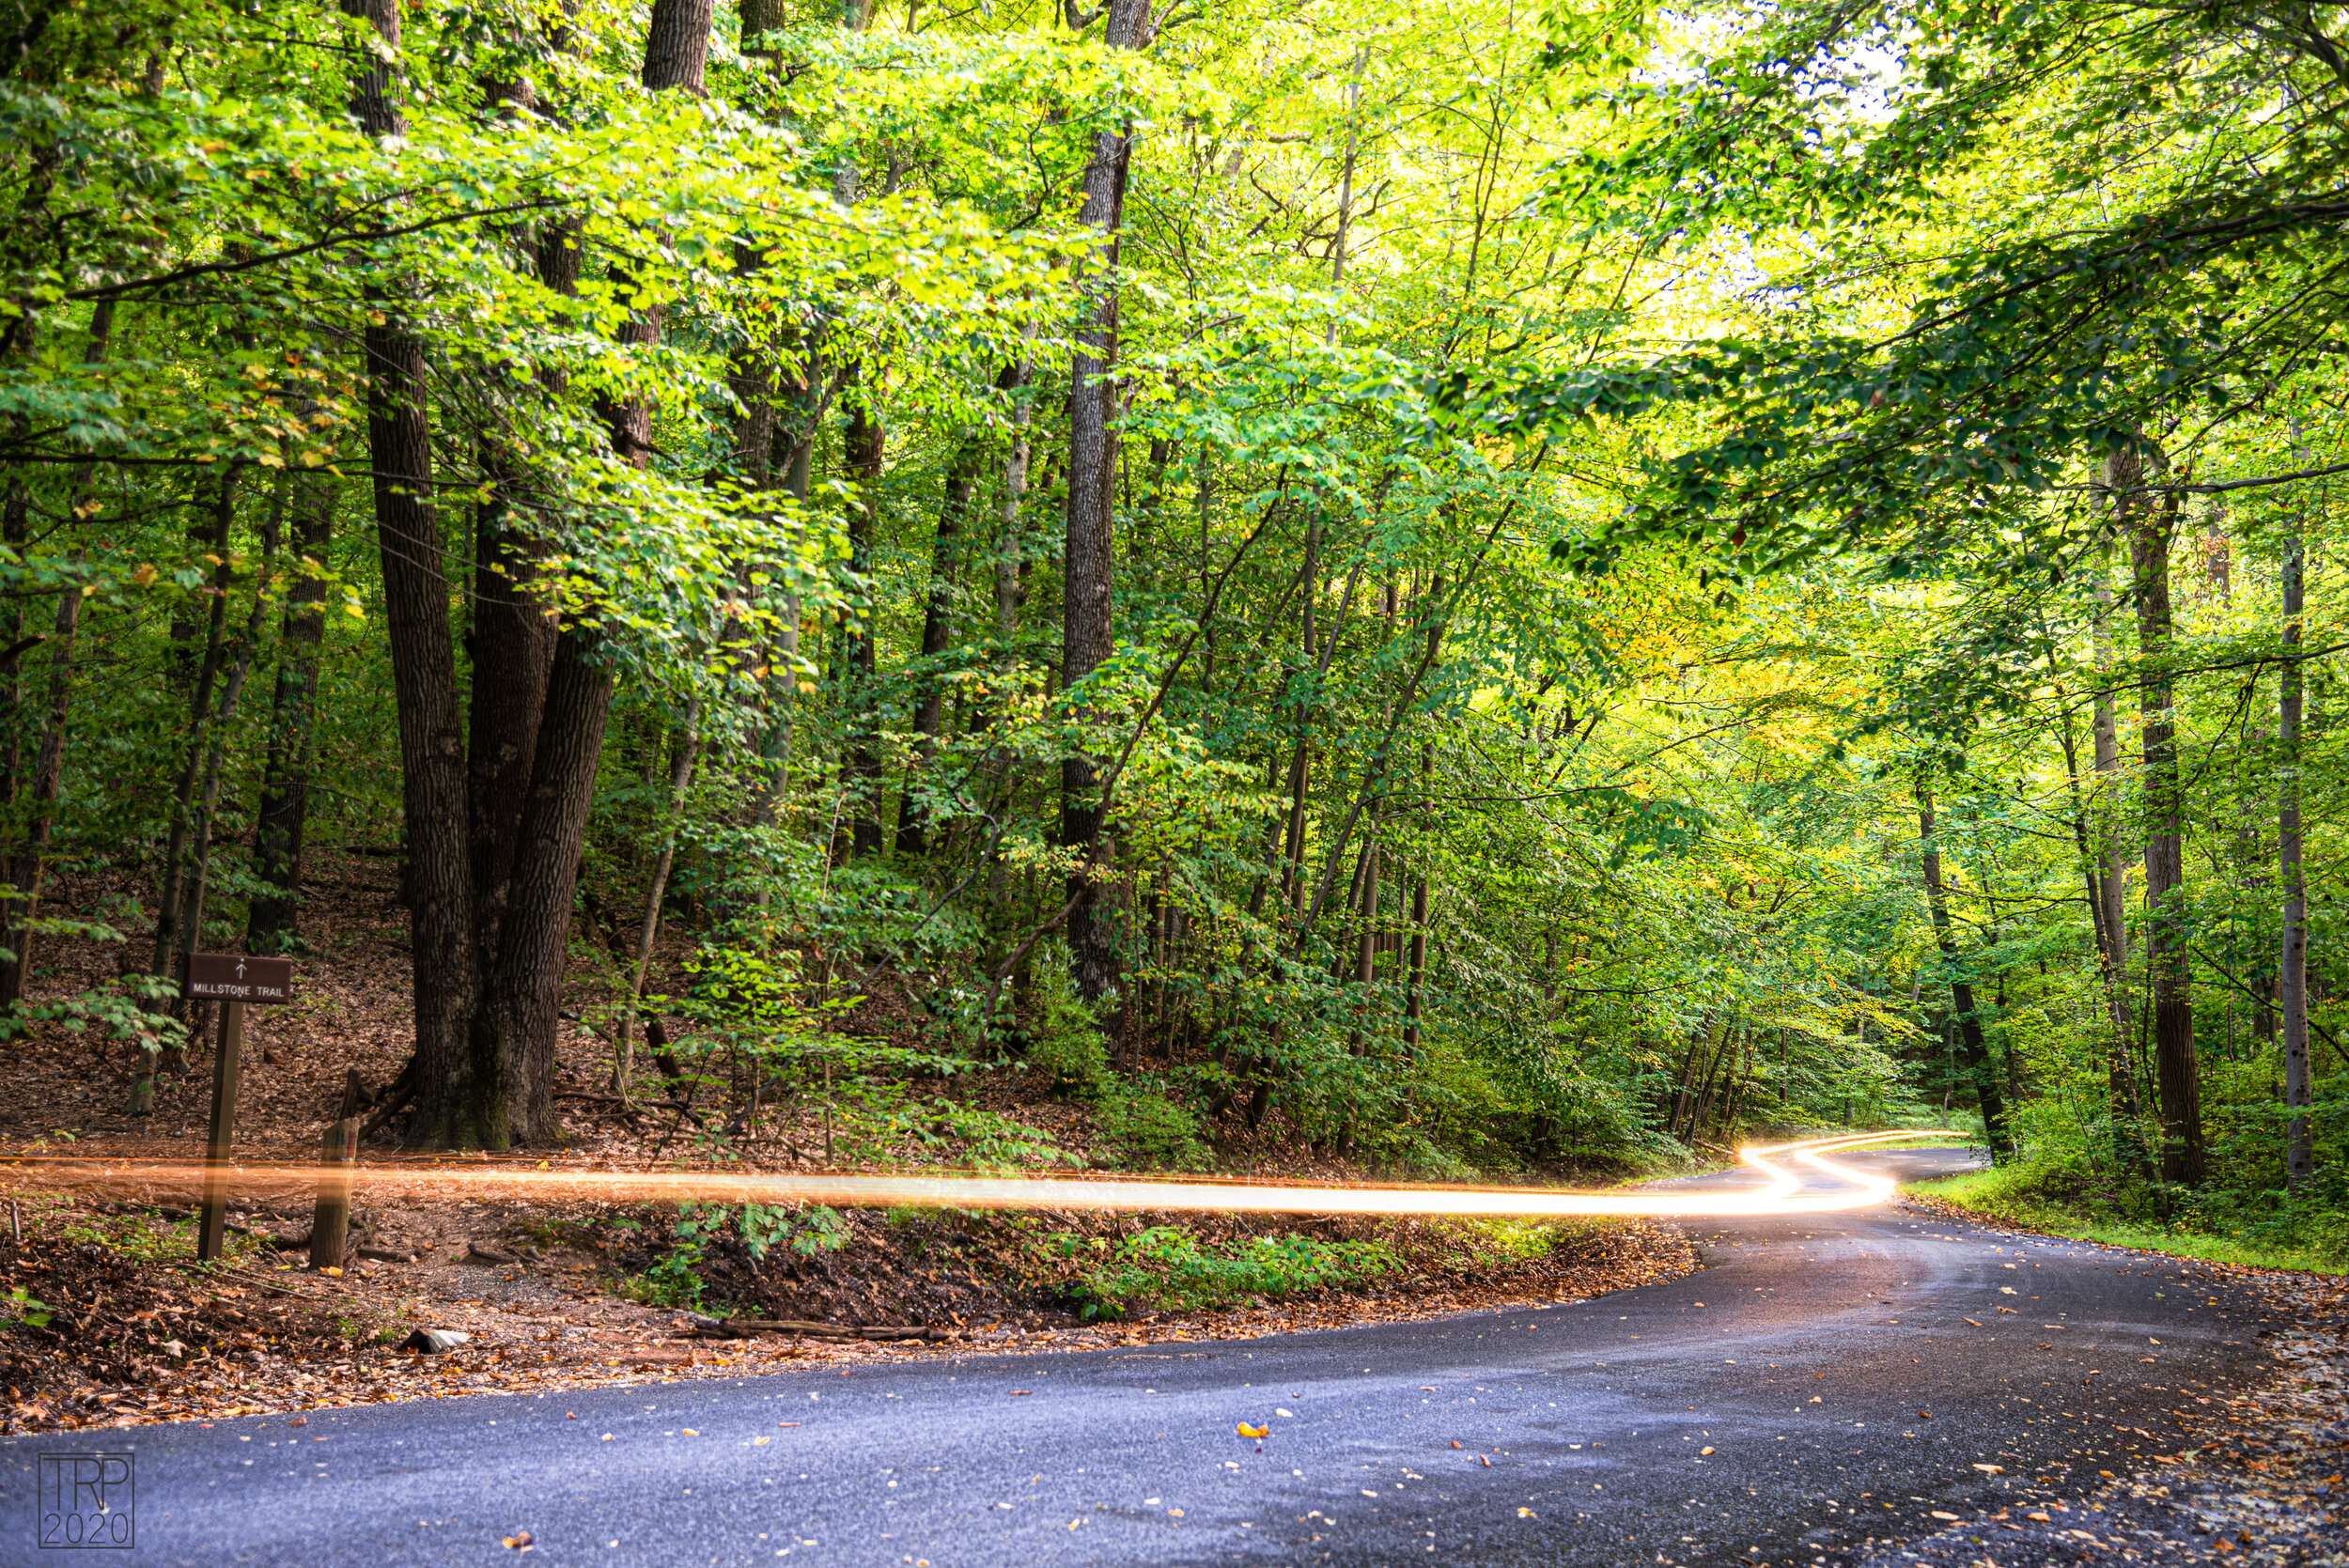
232, 979
238, 977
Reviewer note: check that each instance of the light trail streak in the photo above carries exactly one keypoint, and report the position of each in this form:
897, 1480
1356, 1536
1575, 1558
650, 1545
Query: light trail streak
426, 1181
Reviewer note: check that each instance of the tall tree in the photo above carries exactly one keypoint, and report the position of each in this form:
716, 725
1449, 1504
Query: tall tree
1973, 1050
2293, 971
460, 1099
273, 918
1088, 562
2151, 523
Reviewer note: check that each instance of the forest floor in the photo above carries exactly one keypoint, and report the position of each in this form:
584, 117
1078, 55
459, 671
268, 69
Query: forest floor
106, 1319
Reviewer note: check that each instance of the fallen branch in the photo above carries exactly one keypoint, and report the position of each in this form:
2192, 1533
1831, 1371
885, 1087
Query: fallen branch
736, 1327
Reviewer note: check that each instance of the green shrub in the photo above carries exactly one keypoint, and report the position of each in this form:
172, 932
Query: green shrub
1165, 1268
1146, 1131
1066, 1043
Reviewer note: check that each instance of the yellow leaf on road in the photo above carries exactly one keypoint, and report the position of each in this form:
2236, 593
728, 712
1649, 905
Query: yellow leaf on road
1248, 1430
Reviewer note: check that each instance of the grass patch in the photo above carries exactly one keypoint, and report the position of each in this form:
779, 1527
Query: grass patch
2019, 1196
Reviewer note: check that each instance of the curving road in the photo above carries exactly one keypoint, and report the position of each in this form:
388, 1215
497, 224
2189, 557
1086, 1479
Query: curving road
1771, 1407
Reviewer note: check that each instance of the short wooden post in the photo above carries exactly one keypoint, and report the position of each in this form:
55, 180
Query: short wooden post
226, 1068
329, 1222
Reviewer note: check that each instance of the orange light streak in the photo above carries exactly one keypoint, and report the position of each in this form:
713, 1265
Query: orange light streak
1781, 1193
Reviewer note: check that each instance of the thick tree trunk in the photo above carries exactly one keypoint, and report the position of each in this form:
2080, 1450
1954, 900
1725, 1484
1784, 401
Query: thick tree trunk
677, 44
517, 1017
272, 920
2176, 1070
517, 1020
458, 1102
2292, 979
511, 646
962, 482
1973, 1053
1089, 560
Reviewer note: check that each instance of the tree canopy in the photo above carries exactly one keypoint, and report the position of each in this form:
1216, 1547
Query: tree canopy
1475, 589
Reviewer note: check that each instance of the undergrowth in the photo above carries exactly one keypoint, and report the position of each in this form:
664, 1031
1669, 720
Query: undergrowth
2285, 1231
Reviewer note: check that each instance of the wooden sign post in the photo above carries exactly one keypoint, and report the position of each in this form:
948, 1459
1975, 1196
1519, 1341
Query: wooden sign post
232, 979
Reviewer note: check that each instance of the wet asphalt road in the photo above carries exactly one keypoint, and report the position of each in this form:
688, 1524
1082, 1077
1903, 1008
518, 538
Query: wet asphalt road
1770, 1408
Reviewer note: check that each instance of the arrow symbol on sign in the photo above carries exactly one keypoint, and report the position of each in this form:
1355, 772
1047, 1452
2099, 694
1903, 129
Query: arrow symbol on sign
240, 969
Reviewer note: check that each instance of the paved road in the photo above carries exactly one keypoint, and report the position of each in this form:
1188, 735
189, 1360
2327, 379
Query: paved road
1768, 1407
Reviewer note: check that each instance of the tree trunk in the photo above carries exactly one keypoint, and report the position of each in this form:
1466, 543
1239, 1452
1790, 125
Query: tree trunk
681, 779
2112, 884
23, 870
459, 1104
168, 900
191, 918
272, 920
864, 443
511, 646
962, 482
516, 1023
676, 45
2292, 978
16, 532
1972, 1052
2176, 1068
1089, 561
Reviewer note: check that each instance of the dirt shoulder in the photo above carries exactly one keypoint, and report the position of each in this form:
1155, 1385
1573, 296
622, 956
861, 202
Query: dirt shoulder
115, 1325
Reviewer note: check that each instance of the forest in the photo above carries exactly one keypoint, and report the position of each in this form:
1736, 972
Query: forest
1464, 595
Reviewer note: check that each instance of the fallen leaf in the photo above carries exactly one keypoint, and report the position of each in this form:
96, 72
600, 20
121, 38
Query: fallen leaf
1704, 1451
571, 1415
1455, 1442
299, 1420
1248, 1430
760, 1442
688, 1432
1526, 1513
1488, 1463
788, 1424
2039, 1519
519, 1541
1991, 1470
1016, 1392
1938, 1514
1976, 1322
1816, 1400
